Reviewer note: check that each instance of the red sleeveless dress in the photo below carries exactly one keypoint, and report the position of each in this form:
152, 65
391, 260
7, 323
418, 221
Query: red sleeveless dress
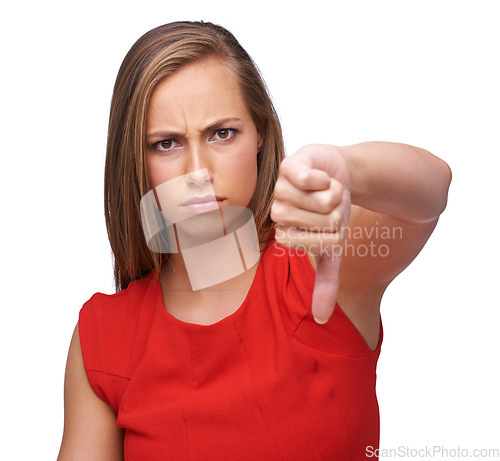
265, 383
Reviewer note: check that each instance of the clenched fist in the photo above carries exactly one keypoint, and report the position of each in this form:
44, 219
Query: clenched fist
311, 208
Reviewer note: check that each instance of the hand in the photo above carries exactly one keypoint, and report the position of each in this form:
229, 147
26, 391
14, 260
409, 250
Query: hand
311, 208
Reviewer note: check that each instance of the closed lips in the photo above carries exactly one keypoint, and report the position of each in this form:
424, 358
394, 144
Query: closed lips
204, 199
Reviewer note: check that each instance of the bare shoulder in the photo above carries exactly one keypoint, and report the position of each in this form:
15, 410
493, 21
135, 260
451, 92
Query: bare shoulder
90, 430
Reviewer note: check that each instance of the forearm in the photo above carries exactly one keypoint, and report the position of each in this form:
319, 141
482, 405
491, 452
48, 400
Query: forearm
397, 179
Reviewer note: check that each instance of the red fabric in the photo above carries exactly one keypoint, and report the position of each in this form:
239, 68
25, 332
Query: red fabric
265, 383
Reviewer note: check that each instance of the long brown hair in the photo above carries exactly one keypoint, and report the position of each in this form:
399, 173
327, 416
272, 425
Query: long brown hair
156, 55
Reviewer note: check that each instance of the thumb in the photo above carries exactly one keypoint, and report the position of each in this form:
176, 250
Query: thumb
326, 286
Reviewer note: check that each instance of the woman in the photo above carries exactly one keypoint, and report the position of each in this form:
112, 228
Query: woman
278, 360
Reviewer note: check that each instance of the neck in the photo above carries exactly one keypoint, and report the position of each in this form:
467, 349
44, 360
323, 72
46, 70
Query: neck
206, 305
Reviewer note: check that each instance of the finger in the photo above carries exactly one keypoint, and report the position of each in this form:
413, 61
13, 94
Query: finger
326, 287
321, 201
283, 213
304, 177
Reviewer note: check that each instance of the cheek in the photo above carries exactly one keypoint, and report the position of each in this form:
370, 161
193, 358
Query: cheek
152, 171
245, 168
158, 171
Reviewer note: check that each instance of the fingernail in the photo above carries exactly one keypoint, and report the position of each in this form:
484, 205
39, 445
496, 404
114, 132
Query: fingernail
321, 322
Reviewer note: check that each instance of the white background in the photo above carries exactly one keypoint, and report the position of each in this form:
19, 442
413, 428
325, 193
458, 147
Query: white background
424, 73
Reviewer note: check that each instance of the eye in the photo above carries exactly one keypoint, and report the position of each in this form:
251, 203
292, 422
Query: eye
224, 134
165, 145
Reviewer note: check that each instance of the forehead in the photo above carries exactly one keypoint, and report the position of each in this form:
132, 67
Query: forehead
196, 94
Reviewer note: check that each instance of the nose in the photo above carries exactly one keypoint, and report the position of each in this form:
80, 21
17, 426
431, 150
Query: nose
198, 178
198, 168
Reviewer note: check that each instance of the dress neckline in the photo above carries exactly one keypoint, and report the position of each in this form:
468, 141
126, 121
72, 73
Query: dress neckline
173, 320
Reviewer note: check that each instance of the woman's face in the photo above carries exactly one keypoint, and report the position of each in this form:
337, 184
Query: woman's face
202, 143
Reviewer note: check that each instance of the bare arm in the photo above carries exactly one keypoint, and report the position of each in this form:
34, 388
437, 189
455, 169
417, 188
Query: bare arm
397, 192
397, 179
90, 431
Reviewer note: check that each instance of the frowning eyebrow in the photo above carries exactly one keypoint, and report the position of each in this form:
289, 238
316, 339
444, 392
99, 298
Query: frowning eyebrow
221, 123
